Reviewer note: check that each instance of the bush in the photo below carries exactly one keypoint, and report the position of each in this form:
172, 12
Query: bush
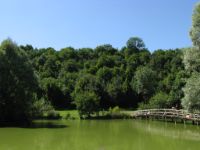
143, 105
53, 115
159, 100
40, 107
114, 111
68, 116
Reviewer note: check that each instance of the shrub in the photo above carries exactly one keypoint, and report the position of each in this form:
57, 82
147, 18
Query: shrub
40, 107
53, 115
159, 100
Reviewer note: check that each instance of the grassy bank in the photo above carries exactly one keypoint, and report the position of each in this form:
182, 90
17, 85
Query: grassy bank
68, 114
112, 113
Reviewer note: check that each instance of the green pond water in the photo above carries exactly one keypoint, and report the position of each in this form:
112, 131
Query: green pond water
101, 135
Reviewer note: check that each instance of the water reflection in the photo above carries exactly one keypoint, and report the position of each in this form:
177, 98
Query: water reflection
100, 135
175, 131
45, 124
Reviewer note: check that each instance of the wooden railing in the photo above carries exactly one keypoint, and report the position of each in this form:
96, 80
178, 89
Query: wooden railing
173, 114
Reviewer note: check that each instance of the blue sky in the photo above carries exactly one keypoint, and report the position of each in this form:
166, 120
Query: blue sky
88, 23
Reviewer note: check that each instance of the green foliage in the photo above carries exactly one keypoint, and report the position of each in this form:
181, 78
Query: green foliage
18, 84
67, 53
87, 103
195, 30
87, 82
105, 61
41, 107
85, 54
191, 100
104, 74
53, 115
86, 95
114, 88
191, 59
116, 113
106, 49
69, 114
67, 83
133, 61
51, 88
109, 73
144, 82
160, 100
135, 43
176, 92
114, 110
96, 79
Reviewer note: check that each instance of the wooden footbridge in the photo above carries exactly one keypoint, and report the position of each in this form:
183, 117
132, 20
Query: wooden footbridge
167, 115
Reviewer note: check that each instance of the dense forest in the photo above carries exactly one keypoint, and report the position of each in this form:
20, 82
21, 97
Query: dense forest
90, 80
105, 77
95, 79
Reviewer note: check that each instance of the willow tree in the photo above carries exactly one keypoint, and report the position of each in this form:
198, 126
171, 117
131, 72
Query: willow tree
195, 30
191, 100
17, 84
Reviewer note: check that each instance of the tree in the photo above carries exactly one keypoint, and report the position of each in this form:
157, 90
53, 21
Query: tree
67, 53
195, 30
87, 82
114, 89
67, 85
85, 54
159, 100
144, 57
18, 84
87, 103
70, 66
191, 100
52, 91
105, 61
133, 61
173, 87
106, 49
51, 67
86, 95
158, 61
144, 82
191, 59
104, 75
135, 43
40, 107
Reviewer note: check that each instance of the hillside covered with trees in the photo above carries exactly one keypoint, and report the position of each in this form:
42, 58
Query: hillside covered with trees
94, 79
36, 80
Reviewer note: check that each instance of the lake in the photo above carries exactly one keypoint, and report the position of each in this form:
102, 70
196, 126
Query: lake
101, 135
